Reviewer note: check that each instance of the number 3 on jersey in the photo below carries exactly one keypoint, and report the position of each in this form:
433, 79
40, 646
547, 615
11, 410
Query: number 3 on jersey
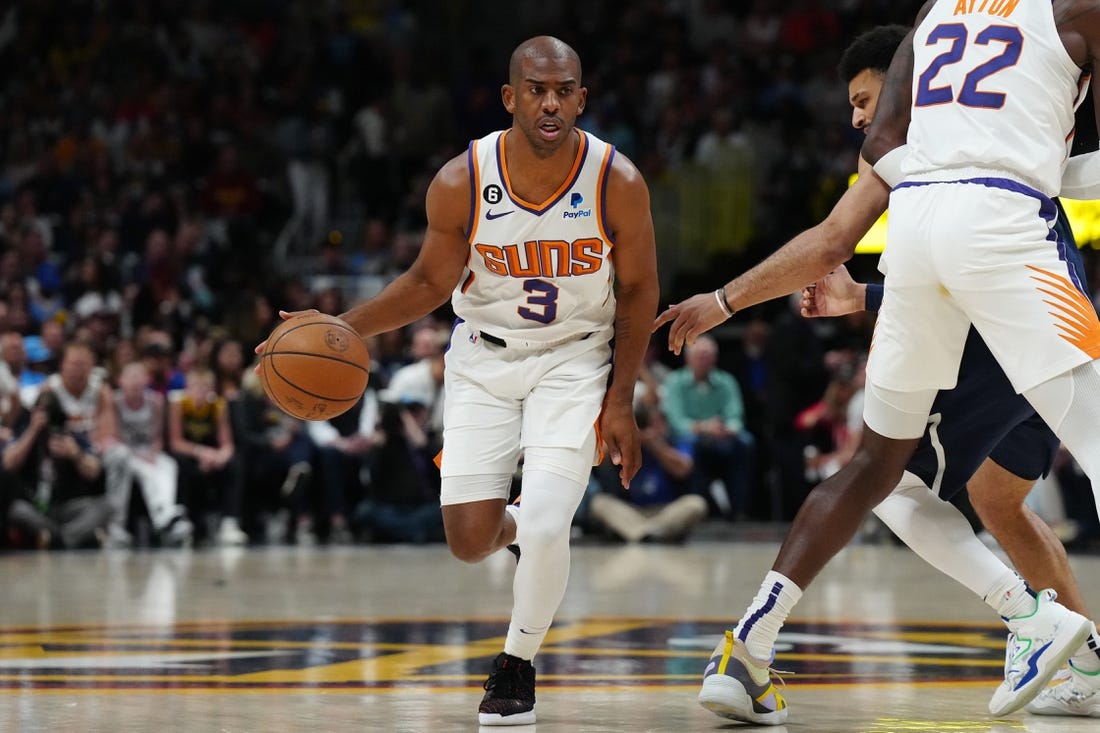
543, 295
969, 95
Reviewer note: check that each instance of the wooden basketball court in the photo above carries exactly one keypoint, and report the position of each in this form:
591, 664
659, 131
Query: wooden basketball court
373, 638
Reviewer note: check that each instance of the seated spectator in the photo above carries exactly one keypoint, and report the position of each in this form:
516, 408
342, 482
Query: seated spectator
704, 407
424, 376
277, 452
658, 505
52, 480
135, 451
345, 449
402, 503
159, 356
834, 424
200, 438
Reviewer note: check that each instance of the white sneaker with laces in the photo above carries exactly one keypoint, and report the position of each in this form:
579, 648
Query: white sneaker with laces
1038, 645
1079, 696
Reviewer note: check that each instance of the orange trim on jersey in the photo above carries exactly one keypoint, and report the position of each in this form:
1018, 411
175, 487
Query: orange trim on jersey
1076, 317
475, 180
468, 282
599, 440
605, 169
438, 460
565, 186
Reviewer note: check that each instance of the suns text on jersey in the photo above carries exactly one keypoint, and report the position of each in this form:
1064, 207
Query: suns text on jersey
544, 257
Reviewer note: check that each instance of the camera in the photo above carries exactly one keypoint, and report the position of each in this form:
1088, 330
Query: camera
56, 420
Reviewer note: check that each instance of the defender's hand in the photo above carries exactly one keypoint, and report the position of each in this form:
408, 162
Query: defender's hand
690, 318
836, 294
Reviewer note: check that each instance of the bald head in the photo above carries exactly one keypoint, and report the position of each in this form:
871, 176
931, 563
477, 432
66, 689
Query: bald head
541, 47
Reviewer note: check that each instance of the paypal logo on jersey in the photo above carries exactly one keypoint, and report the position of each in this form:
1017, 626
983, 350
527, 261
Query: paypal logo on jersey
575, 200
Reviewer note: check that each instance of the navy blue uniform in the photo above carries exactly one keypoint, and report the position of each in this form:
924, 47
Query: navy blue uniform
983, 416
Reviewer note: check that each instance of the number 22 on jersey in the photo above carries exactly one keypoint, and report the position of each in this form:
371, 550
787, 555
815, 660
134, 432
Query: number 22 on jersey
968, 94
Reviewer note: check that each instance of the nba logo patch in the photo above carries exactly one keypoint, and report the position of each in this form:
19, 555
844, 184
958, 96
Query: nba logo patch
473, 337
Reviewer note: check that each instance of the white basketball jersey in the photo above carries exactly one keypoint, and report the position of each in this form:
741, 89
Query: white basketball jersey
993, 88
537, 272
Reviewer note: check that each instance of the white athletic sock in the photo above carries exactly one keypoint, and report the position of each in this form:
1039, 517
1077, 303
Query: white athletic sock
760, 625
1010, 596
549, 502
1087, 659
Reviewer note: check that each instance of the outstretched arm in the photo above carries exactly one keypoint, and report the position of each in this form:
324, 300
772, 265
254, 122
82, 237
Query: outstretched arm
808, 257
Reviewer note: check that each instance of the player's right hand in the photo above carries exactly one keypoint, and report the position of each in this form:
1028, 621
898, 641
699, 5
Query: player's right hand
836, 294
286, 316
690, 318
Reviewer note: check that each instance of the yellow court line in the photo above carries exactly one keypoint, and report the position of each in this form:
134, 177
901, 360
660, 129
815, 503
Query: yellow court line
417, 690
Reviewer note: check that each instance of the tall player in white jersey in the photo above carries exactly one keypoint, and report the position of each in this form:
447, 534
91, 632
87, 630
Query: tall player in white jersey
521, 231
992, 86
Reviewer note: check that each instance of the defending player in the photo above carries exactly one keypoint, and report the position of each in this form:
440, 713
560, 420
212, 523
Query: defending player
912, 510
520, 234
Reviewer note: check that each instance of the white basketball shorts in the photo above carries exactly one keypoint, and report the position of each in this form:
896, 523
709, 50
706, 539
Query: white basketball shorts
499, 400
979, 252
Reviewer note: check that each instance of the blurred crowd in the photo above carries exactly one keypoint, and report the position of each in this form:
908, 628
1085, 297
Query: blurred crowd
173, 173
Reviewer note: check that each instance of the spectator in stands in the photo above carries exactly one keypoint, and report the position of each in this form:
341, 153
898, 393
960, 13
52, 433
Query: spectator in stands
704, 407
659, 505
423, 378
402, 503
200, 437
345, 451
159, 356
135, 452
278, 456
52, 480
15, 375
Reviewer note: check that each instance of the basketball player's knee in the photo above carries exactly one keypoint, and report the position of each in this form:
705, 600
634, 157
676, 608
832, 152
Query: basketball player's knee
995, 513
469, 544
470, 549
534, 535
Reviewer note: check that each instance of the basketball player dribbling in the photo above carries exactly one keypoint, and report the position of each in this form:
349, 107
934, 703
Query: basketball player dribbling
520, 234
844, 499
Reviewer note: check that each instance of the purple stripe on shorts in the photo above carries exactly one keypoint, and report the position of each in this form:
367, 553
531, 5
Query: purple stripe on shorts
1047, 209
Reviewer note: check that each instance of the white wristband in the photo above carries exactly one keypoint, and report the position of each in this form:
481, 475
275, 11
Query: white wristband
888, 166
720, 296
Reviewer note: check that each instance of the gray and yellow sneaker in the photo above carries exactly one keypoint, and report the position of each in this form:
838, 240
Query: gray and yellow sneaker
739, 687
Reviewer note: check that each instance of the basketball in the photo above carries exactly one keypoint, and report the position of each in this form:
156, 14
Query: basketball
314, 367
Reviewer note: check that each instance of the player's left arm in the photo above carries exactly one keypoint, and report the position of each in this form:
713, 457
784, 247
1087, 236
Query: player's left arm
811, 255
636, 293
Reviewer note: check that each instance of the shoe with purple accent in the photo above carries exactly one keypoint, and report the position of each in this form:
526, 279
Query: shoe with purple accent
739, 687
1038, 645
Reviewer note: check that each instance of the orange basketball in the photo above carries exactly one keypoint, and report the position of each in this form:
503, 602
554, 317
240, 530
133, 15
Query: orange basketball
314, 367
